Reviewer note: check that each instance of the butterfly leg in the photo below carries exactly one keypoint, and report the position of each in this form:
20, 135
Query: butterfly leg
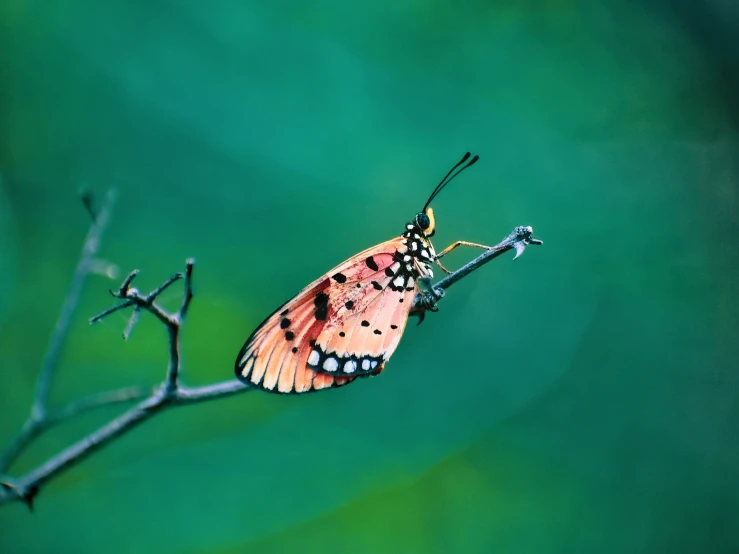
430, 298
452, 247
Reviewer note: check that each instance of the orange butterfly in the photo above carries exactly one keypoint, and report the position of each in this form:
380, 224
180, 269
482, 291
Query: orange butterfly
347, 323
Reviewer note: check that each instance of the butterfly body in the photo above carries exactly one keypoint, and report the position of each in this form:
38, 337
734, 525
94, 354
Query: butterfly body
347, 323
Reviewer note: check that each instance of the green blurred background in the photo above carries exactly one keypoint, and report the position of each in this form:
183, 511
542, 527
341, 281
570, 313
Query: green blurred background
581, 399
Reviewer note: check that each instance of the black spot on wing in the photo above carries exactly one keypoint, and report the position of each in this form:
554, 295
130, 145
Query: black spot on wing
321, 304
289, 335
342, 334
377, 285
295, 349
349, 305
393, 326
365, 323
389, 272
284, 312
284, 323
371, 263
339, 277
377, 332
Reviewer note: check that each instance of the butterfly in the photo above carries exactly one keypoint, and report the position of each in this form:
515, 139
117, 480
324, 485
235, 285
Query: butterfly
347, 323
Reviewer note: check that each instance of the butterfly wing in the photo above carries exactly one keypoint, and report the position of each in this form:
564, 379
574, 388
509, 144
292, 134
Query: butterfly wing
370, 319
325, 337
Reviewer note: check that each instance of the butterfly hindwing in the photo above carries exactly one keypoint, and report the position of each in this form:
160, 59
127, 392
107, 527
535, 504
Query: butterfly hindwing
289, 351
274, 357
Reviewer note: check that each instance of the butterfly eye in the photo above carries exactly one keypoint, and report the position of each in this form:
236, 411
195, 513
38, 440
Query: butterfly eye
423, 221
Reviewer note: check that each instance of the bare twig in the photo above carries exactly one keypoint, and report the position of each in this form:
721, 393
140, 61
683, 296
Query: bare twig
58, 337
518, 240
98, 400
133, 320
171, 392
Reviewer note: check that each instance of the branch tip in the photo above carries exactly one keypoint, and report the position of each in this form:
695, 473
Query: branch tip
87, 197
188, 288
123, 290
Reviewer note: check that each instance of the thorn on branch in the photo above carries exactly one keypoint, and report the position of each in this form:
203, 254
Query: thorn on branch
27, 496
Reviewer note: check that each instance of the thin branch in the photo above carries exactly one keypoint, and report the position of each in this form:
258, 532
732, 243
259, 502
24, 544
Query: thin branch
98, 400
109, 311
187, 395
59, 336
519, 239
171, 392
149, 298
133, 320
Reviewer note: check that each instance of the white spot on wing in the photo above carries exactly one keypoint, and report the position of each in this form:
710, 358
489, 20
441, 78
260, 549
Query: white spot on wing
410, 281
395, 267
350, 366
365, 364
424, 253
314, 357
398, 282
414, 246
373, 364
406, 258
330, 364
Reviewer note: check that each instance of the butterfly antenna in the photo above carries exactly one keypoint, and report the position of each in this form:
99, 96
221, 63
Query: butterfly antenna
447, 179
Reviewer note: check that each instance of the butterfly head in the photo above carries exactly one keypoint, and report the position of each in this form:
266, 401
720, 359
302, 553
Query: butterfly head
425, 222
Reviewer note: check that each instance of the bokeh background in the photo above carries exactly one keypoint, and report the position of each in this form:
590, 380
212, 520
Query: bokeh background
582, 399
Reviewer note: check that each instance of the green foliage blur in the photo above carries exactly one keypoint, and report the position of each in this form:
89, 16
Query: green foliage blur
581, 399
